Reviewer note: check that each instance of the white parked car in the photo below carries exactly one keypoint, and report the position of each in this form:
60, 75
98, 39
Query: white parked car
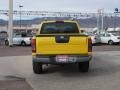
110, 38
22, 40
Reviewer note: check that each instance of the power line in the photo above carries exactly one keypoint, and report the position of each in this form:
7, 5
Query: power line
47, 13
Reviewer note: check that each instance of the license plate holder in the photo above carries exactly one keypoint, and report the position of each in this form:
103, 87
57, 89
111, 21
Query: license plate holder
62, 58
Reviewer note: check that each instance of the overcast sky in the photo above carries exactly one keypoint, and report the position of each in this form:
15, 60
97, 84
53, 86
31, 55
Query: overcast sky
62, 5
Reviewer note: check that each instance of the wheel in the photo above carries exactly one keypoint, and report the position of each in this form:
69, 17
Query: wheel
110, 42
119, 43
37, 68
23, 43
6, 43
83, 66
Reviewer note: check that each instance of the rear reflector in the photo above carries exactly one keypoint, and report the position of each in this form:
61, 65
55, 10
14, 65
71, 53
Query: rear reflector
89, 45
33, 45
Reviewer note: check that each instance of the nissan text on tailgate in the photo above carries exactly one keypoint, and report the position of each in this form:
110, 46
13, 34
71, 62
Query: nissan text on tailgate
60, 43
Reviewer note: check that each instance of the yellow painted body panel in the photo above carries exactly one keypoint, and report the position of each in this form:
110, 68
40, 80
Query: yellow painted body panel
47, 45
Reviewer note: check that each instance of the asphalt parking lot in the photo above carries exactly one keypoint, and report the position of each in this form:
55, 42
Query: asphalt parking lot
16, 68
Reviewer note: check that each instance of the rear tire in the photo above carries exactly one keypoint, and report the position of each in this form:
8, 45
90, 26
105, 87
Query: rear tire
83, 66
110, 42
37, 68
23, 43
6, 43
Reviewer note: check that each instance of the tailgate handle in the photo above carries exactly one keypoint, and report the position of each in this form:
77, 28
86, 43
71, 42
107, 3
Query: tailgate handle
62, 39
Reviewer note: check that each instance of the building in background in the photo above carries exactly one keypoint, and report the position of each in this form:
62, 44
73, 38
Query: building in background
24, 28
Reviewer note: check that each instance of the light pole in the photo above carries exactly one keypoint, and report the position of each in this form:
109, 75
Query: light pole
116, 12
7, 19
102, 26
100, 20
20, 6
10, 27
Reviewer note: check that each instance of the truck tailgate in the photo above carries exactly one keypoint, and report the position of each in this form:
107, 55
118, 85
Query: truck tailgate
49, 45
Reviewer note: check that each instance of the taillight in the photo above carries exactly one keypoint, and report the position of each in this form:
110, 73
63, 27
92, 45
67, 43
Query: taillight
89, 45
33, 43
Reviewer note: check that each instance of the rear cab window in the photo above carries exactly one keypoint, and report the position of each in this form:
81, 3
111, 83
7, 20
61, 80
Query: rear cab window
59, 27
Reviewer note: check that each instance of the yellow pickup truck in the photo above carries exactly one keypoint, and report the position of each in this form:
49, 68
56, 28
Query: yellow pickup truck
61, 42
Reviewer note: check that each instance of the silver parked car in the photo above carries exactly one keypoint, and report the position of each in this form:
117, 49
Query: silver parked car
19, 39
